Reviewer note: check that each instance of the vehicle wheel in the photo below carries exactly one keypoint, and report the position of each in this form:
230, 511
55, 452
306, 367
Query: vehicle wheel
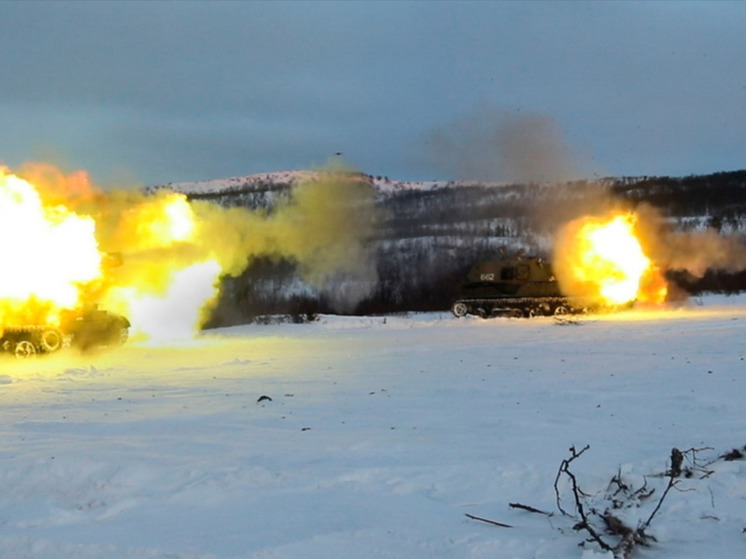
460, 309
561, 310
51, 340
24, 349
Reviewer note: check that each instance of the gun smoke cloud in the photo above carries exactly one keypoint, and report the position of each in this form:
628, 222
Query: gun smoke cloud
694, 252
158, 258
495, 145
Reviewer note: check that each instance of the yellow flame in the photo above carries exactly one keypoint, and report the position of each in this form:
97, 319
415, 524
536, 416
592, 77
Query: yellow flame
157, 257
179, 218
602, 259
48, 253
156, 222
615, 257
52, 259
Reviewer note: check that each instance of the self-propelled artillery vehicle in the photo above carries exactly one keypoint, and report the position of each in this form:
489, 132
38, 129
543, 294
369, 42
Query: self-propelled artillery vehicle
517, 287
83, 329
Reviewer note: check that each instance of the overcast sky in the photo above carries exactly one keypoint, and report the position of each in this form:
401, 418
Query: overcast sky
159, 92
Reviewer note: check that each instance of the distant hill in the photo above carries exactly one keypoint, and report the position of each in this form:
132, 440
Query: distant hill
720, 197
433, 231
282, 179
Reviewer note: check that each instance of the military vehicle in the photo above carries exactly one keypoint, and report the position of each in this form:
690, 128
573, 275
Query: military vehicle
84, 329
518, 287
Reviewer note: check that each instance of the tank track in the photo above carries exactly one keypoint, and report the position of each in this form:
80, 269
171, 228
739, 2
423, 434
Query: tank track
516, 306
24, 341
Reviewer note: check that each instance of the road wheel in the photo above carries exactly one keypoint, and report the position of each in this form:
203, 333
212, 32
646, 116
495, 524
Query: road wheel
24, 349
460, 309
51, 340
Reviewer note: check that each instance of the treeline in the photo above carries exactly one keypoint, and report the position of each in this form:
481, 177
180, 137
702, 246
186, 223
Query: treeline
719, 197
428, 239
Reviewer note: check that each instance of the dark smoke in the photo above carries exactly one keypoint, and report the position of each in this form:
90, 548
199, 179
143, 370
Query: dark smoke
694, 252
493, 145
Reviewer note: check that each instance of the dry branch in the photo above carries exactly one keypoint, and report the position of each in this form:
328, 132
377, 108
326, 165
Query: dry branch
606, 529
529, 509
488, 521
564, 468
628, 537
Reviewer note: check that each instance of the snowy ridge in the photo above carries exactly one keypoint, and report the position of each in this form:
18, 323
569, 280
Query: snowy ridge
263, 180
234, 184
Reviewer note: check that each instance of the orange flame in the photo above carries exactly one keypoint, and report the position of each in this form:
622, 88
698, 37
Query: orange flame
49, 254
157, 258
56, 259
602, 259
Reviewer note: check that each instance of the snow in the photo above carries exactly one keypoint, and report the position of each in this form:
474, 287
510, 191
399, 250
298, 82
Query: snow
379, 435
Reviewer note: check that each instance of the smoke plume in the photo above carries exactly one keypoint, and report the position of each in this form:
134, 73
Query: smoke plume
323, 228
493, 145
694, 252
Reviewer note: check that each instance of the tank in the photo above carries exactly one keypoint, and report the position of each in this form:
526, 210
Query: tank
84, 329
517, 286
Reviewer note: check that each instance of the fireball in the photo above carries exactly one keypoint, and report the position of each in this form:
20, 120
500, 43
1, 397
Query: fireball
156, 257
603, 260
136, 254
156, 222
49, 254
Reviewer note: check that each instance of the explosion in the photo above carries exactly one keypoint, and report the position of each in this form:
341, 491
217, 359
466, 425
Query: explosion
602, 260
58, 260
49, 253
158, 258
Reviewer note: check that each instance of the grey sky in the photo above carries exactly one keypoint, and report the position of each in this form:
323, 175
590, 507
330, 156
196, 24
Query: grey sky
160, 92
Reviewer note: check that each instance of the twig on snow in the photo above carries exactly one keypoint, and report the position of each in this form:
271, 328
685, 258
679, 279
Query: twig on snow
672, 481
529, 509
488, 521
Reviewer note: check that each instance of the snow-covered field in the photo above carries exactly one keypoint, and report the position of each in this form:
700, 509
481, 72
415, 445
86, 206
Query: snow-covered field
378, 437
